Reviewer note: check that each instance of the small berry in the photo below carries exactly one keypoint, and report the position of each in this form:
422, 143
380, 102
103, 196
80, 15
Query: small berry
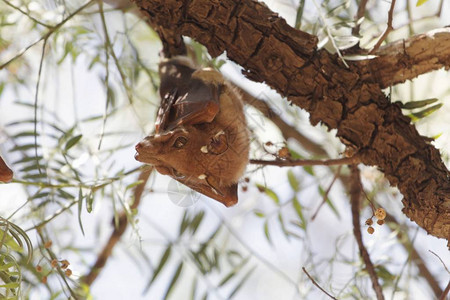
44, 280
380, 222
370, 230
380, 213
68, 272
244, 188
54, 263
246, 179
38, 268
64, 264
284, 153
369, 221
48, 244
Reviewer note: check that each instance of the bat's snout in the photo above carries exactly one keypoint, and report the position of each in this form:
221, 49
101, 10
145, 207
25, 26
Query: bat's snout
146, 150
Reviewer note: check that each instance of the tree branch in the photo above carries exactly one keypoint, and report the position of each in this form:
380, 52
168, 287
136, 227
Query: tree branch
404, 60
389, 28
118, 231
349, 100
306, 162
355, 197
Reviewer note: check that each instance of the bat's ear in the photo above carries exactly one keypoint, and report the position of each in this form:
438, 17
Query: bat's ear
230, 195
226, 195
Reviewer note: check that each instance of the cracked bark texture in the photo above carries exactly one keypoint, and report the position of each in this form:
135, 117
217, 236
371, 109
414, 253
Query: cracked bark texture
349, 100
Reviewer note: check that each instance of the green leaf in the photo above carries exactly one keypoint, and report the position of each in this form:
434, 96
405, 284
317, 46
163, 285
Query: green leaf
184, 223
269, 193
241, 283
417, 104
72, 142
9, 241
196, 221
233, 272
420, 2
299, 211
80, 207
298, 18
294, 154
295, 184
160, 266
89, 201
283, 227
309, 170
424, 113
174, 280
259, 213
329, 203
134, 184
266, 232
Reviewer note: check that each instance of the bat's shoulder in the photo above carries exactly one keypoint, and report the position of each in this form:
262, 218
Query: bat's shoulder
209, 76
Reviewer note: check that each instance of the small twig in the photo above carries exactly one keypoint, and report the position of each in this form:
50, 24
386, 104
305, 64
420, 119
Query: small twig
389, 28
307, 162
445, 293
52, 30
355, 195
325, 196
117, 233
361, 12
316, 284
440, 260
36, 98
26, 14
287, 130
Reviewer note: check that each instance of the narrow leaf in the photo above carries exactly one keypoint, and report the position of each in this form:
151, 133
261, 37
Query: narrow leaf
80, 207
426, 112
72, 142
420, 2
298, 210
266, 232
294, 183
269, 193
160, 266
174, 280
417, 104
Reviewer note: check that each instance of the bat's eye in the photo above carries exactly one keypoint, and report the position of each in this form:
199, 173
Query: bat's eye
180, 142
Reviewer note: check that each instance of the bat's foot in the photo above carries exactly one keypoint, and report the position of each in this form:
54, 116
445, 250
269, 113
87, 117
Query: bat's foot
209, 75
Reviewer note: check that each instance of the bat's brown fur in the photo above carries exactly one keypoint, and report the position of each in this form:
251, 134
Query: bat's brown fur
208, 156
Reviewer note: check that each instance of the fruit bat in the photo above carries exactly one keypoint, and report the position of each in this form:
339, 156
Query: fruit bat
201, 137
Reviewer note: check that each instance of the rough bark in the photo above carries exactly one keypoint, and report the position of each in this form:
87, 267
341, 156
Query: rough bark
347, 99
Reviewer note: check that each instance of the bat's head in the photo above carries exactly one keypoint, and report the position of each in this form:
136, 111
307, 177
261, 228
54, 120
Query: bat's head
201, 155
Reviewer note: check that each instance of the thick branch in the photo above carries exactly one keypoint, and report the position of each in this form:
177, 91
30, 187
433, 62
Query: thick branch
406, 59
349, 100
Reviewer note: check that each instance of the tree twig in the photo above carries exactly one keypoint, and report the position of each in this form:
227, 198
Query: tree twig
361, 12
355, 197
445, 292
316, 284
118, 231
389, 28
325, 195
306, 162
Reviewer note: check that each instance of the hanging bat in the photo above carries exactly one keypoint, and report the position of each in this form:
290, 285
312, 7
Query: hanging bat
201, 137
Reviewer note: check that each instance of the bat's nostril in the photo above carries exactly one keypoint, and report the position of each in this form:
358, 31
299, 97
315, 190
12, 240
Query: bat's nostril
138, 146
